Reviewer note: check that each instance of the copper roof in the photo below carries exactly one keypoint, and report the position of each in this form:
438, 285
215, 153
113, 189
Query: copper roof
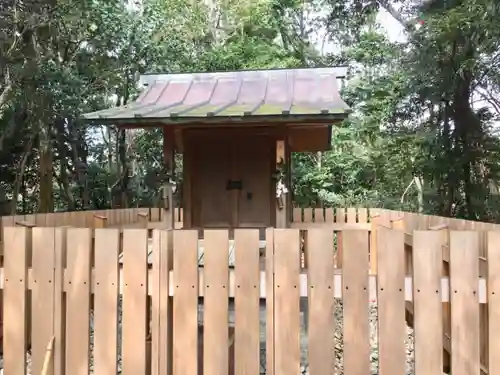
305, 93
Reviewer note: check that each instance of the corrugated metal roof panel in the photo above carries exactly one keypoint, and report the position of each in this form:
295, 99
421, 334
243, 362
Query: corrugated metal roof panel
287, 92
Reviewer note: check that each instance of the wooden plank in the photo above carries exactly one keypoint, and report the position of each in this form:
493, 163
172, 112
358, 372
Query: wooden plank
297, 215
331, 226
340, 215
100, 221
308, 215
493, 255
464, 273
14, 300
321, 302
270, 301
355, 297
362, 215
134, 321
391, 302
428, 323
185, 310
319, 215
59, 299
329, 215
351, 215
483, 309
215, 335
161, 329
286, 301
247, 297
77, 281
107, 247
42, 295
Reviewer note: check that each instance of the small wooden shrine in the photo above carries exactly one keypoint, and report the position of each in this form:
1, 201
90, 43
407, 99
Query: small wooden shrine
236, 131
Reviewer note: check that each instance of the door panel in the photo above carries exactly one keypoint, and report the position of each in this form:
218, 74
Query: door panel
219, 158
253, 168
213, 169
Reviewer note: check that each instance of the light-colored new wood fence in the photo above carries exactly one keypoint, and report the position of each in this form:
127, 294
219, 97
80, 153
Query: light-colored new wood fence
123, 218
87, 219
178, 317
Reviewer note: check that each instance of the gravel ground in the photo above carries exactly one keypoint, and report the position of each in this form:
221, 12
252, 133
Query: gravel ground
337, 348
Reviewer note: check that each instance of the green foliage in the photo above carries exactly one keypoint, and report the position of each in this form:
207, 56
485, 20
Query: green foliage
421, 135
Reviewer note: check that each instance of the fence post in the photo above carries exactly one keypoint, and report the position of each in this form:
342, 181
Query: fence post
100, 221
143, 219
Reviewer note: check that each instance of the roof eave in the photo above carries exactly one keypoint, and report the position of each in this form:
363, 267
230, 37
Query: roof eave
275, 119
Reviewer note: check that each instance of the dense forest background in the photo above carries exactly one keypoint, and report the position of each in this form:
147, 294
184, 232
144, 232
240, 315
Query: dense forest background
422, 135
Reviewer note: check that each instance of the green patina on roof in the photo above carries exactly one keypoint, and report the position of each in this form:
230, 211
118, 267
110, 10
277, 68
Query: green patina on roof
305, 93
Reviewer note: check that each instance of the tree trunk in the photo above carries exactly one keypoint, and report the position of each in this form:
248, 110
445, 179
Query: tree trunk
20, 176
46, 200
63, 162
122, 154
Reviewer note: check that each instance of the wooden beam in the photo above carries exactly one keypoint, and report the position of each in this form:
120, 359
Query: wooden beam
303, 285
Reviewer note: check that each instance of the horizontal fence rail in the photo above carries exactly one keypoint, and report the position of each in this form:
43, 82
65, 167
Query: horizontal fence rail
107, 300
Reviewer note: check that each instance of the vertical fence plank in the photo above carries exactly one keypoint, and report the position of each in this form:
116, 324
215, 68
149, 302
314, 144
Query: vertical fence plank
161, 329
340, 215
329, 215
297, 215
428, 323
42, 295
79, 248
308, 215
319, 215
321, 301
59, 305
483, 308
494, 301
270, 301
351, 215
134, 326
355, 296
106, 282
14, 299
156, 292
215, 326
185, 310
464, 275
391, 302
362, 215
247, 300
286, 301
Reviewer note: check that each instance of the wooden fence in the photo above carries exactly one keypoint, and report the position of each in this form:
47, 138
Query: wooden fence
179, 316
87, 219
303, 218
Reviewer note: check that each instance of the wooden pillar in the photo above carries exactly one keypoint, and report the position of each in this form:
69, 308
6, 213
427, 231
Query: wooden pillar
169, 167
282, 171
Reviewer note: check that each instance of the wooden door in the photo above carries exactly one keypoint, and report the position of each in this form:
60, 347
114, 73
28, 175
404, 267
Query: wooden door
231, 179
211, 198
252, 162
